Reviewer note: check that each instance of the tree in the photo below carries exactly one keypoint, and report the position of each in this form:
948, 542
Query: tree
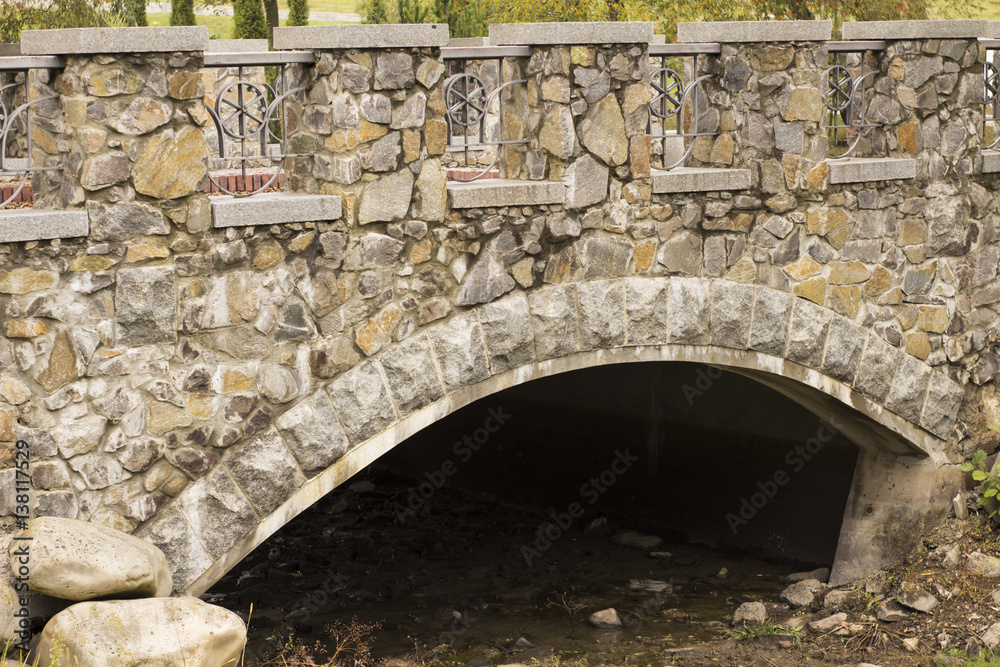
374, 11
138, 10
181, 12
18, 15
298, 12
248, 20
465, 18
271, 15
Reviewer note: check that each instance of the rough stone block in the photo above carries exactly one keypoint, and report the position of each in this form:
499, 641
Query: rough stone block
507, 329
909, 388
877, 369
844, 346
732, 308
313, 433
173, 535
266, 471
362, 401
218, 511
944, 399
690, 308
145, 301
602, 314
412, 375
460, 349
554, 321
807, 333
647, 311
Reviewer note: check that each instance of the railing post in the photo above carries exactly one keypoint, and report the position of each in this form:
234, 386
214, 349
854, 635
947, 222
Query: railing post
584, 108
765, 101
123, 123
927, 96
372, 116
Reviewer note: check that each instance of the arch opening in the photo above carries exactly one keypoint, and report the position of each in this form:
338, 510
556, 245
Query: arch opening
666, 449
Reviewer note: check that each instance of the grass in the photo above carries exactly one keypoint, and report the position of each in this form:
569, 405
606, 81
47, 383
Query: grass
768, 627
219, 27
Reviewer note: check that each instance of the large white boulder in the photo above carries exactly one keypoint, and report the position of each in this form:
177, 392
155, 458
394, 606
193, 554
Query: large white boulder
76, 560
155, 632
9, 605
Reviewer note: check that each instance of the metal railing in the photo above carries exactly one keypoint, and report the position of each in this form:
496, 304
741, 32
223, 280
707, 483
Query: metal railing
16, 108
249, 115
846, 106
991, 98
672, 100
471, 101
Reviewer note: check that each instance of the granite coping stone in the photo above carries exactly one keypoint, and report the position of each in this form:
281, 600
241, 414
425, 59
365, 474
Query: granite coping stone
273, 209
606, 32
699, 179
158, 39
862, 170
35, 224
991, 162
236, 46
8, 49
374, 36
505, 192
966, 29
735, 32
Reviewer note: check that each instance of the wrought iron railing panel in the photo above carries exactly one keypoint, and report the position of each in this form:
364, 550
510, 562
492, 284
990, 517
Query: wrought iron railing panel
671, 100
845, 99
16, 121
474, 108
248, 117
991, 99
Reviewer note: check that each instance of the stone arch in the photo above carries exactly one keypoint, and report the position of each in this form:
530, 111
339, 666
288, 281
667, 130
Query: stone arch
886, 401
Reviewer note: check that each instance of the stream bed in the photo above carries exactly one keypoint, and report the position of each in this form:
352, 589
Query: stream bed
471, 580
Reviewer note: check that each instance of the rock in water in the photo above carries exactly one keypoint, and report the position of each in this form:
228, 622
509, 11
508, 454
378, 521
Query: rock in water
821, 574
606, 618
76, 560
159, 632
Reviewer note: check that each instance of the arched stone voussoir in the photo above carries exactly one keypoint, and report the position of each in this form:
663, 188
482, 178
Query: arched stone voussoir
881, 398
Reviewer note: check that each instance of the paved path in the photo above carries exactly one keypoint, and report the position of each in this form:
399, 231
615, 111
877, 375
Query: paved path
164, 8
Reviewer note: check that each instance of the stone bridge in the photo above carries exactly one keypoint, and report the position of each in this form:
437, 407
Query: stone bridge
198, 370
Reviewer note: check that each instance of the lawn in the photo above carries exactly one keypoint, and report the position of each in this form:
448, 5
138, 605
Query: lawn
339, 6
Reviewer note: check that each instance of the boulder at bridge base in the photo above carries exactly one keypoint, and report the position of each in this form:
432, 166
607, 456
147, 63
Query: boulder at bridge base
157, 632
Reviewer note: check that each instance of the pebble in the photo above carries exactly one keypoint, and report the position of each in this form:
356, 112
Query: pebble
801, 594
821, 574
915, 597
829, 623
633, 538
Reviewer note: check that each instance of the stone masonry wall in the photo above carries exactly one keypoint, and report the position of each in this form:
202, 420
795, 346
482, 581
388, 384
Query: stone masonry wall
160, 352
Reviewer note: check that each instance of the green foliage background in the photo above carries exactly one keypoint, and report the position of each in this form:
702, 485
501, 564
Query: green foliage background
298, 12
248, 20
182, 12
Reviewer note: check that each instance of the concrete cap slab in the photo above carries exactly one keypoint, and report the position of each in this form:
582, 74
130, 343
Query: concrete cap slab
505, 192
871, 169
159, 39
466, 42
736, 32
993, 29
699, 179
273, 208
33, 224
10, 49
917, 30
236, 46
374, 36
608, 32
